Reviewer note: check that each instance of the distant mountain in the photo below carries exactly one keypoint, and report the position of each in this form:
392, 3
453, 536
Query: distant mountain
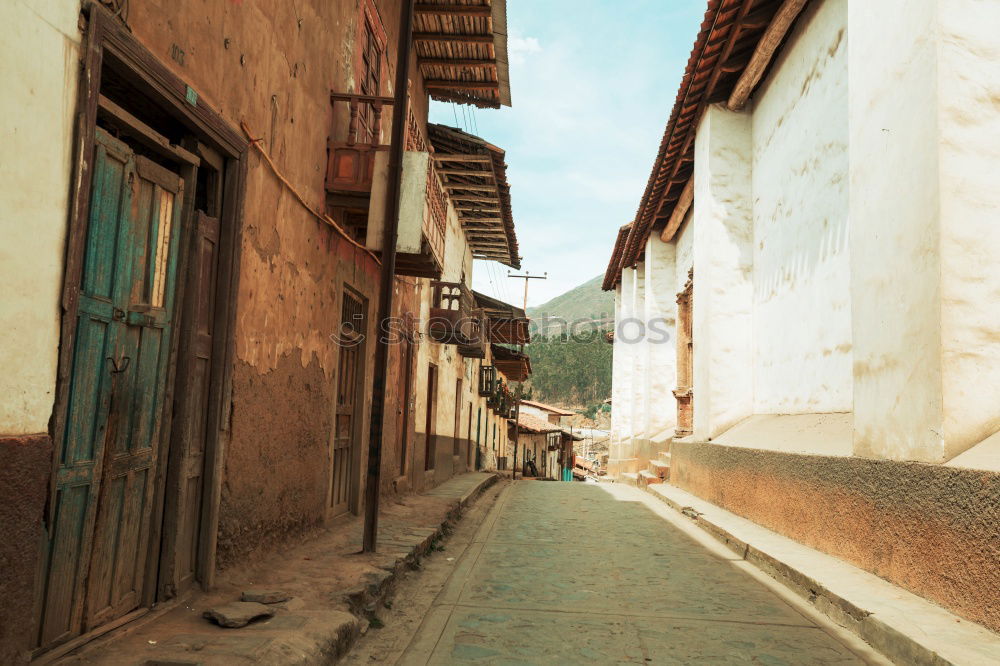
572, 367
583, 303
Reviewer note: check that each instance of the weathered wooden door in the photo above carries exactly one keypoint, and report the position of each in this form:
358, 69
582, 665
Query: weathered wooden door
430, 418
403, 423
102, 510
346, 426
182, 521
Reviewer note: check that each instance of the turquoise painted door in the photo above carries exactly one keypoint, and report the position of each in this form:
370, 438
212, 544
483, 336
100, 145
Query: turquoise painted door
102, 508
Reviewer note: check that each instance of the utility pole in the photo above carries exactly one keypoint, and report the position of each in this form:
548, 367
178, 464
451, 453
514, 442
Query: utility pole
388, 276
520, 385
528, 276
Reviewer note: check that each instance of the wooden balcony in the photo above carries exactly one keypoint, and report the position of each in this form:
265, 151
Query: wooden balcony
423, 215
350, 165
454, 319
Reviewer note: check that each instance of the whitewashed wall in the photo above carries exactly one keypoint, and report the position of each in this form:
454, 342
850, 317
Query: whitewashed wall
684, 250
925, 287
639, 345
723, 280
801, 260
661, 342
40, 56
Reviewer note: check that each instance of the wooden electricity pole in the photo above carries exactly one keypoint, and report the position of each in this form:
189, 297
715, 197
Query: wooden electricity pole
388, 277
517, 406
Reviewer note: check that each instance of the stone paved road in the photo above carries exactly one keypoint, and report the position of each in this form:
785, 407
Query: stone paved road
587, 573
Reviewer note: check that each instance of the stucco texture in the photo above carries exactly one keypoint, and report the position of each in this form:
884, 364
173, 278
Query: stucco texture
273, 66
801, 262
933, 530
40, 52
25, 463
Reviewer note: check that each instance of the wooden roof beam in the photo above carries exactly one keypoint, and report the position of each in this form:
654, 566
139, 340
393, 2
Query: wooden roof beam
451, 37
479, 187
465, 172
445, 84
474, 63
473, 197
478, 159
764, 53
679, 212
428, 9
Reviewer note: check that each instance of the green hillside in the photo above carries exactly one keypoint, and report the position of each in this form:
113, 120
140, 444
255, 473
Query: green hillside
573, 370
586, 302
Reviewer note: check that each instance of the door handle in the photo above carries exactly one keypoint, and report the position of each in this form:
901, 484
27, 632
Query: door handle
119, 369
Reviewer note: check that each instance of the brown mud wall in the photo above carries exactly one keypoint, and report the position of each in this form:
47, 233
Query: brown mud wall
931, 529
25, 464
273, 66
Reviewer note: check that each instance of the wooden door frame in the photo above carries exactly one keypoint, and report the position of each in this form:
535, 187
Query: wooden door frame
107, 40
407, 357
684, 330
358, 421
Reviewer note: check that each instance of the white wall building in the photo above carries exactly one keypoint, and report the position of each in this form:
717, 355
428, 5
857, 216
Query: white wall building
837, 214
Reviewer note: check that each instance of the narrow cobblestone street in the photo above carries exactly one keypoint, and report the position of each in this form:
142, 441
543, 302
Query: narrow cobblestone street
602, 575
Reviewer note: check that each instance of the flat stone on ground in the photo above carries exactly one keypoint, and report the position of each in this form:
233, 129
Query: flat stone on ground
238, 614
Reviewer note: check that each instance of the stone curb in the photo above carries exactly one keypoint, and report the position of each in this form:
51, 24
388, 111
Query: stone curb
902, 626
366, 600
324, 636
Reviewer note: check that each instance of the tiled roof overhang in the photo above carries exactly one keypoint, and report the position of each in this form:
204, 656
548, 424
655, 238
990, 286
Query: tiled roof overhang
532, 424
462, 50
611, 276
483, 205
729, 36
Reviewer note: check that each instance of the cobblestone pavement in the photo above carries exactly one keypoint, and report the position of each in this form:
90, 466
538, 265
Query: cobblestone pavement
573, 572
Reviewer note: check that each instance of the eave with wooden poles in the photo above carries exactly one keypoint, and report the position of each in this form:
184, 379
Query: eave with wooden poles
474, 175
514, 365
507, 324
735, 47
461, 48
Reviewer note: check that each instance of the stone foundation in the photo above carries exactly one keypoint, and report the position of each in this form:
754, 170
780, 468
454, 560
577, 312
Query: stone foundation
930, 529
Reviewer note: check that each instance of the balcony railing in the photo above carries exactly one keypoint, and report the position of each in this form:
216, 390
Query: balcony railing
350, 163
436, 221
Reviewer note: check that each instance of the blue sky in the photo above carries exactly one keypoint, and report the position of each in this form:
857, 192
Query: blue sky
592, 86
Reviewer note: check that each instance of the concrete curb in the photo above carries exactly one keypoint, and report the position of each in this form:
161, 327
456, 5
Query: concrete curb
904, 627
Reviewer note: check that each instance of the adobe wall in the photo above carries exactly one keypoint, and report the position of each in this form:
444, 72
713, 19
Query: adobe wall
930, 529
24, 487
273, 65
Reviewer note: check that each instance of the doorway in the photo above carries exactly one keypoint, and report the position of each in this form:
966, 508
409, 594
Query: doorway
684, 392
347, 425
119, 537
403, 422
456, 446
430, 443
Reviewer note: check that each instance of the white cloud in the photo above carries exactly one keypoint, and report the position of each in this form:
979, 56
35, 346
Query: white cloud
518, 48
